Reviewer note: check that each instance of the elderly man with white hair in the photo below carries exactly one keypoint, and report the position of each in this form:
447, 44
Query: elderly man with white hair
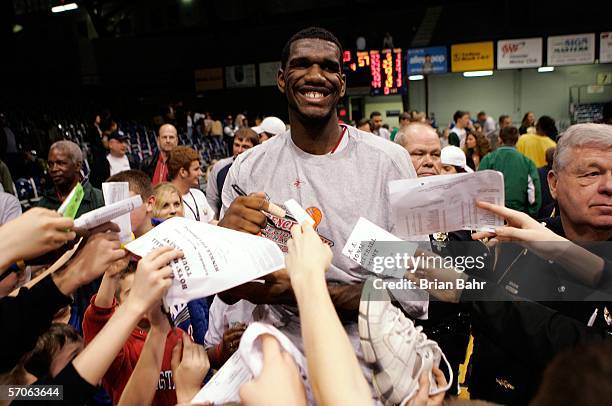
65, 160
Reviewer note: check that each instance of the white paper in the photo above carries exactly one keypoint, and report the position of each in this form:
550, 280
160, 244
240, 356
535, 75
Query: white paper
115, 192
298, 212
246, 364
445, 203
366, 232
224, 386
108, 213
215, 258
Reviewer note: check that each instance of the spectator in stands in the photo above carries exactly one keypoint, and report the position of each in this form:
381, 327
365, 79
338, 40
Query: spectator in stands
6, 181
527, 124
505, 121
156, 166
521, 179
475, 148
9, 146
10, 208
534, 146
423, 144
244, 139
97, 150
365, 125
404, 120
377, 122
229, 128
117, 157
458, 133
269, 127
65, 160
549, 205
487, 123
185, 173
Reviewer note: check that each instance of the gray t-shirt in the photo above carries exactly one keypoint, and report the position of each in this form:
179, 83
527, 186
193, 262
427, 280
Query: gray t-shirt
336, 189
10, 208
213, 195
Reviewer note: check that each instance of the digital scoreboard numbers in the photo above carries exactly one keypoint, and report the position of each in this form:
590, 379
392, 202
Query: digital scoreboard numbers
386, 68
382, 70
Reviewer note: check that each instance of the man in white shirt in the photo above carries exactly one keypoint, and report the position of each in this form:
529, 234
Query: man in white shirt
457, 135
117, 157
487, 123
185, 172
377, 120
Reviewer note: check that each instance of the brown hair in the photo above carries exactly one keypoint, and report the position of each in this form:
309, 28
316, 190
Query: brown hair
181, 157
139, 182
509, 135
38, 361
482, 144
247, 134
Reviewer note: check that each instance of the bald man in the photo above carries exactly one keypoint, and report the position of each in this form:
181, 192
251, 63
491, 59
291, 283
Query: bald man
156, 166
423, 144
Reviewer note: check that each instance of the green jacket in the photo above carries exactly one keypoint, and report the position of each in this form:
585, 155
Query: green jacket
521, 179
92, 199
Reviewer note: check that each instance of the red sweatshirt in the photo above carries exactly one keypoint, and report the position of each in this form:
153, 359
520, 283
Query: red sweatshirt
122, 367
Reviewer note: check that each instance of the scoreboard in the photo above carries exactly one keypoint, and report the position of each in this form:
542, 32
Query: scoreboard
382, 71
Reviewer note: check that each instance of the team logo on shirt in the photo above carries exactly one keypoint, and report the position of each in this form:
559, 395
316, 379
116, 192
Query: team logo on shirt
280, 232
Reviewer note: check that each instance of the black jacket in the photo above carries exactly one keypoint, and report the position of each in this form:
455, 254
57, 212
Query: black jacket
25, 317
515, 338
148, 165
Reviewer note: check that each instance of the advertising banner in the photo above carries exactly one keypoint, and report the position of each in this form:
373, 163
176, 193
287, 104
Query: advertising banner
519, 53
571, 49
472, 56
424, 61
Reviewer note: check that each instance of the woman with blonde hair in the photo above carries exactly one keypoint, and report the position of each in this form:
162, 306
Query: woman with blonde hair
168, 201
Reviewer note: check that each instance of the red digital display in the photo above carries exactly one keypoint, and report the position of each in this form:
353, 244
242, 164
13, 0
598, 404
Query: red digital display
386, 69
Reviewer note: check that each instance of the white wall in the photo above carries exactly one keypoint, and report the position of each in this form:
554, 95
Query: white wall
382, 104
511, 92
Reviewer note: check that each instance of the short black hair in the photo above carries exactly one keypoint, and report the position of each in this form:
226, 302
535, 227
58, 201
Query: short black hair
458, 114
374, 114
308, 33
546, 125
502, 118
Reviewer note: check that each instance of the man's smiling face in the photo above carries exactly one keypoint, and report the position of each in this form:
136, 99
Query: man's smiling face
312, 80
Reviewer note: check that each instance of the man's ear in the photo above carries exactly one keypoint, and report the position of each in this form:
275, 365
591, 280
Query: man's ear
150, 204
343, 88
280, 80
183, 173
552, 183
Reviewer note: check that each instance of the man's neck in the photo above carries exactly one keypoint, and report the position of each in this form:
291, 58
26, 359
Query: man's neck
145, 228
64, 191
314, 138
117, 155
181, 185
163, 155
577, 232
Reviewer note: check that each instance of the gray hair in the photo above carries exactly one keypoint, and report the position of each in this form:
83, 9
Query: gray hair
578, 136
69, 148
402, 136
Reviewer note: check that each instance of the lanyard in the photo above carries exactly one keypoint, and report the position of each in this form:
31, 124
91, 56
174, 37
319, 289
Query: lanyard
196, 213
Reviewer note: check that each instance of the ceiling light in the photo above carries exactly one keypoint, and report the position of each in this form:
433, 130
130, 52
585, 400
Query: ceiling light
477, 73
64, 7
546, 69
416, 77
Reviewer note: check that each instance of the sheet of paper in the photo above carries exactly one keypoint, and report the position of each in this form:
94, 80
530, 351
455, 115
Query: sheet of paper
223, 387
115, 192
364, 244
298, 212
107, 213
445, 203
215, 258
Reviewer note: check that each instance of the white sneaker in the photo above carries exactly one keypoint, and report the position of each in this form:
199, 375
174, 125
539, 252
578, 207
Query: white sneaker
397, 351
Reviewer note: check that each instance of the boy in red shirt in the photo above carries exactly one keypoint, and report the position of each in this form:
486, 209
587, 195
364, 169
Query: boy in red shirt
113, 291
